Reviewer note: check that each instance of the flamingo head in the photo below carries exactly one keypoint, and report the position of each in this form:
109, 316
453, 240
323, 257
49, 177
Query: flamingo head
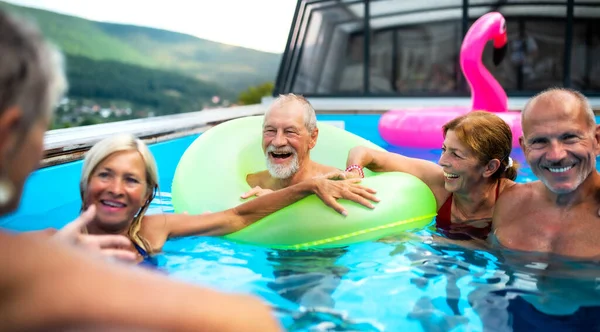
500, 39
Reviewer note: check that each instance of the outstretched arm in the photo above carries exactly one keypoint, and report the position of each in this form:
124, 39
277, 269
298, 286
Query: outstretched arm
157, 228
256, 191
383, 161
49, 286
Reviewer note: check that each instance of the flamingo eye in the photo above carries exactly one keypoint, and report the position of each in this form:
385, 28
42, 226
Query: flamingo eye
503, 27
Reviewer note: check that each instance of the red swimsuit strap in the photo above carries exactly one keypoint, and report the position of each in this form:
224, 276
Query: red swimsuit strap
443, 219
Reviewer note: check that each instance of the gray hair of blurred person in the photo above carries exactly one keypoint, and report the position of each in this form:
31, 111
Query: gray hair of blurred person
32, 79
310, 118
31, 71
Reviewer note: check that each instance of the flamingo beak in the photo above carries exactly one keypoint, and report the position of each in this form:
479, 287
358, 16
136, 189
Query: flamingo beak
500, 46
499, 54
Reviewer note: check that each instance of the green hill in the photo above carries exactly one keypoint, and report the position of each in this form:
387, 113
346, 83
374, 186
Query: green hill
77, 36
232, 67
162, 91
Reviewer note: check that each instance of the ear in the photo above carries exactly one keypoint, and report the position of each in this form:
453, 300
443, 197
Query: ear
597, 137
313, 138
9, 120
491, 167
522, 143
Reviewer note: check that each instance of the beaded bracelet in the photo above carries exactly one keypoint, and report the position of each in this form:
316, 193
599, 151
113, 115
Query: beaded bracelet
356, 167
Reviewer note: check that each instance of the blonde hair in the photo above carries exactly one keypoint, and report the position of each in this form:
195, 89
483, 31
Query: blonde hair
105, 148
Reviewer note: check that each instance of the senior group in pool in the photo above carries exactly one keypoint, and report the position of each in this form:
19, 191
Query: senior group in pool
74, 268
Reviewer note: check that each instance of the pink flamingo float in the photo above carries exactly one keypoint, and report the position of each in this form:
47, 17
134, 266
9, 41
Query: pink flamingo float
422, 128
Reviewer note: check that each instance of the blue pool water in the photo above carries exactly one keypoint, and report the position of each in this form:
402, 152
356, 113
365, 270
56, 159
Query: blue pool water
410, 282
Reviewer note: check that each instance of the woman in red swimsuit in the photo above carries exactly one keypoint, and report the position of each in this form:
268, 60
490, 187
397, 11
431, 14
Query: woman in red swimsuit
473, 170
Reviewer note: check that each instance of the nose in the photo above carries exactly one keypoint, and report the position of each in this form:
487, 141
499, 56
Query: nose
556, 152
279, 140
443, 160
116, 187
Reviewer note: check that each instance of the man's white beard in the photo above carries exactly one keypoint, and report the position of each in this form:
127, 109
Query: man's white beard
282, 171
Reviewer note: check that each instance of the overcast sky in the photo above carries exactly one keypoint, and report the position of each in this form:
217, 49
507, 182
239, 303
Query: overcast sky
260, 24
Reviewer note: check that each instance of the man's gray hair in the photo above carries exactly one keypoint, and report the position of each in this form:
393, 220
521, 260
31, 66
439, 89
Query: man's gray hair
310, 118
31, 71
584, 103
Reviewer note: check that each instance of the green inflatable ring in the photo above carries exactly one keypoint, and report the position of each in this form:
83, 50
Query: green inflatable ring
211, 176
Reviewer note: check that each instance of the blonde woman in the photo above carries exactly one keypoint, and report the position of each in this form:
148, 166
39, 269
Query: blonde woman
119, 178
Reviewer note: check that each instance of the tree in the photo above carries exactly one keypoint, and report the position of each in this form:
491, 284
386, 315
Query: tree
254, 94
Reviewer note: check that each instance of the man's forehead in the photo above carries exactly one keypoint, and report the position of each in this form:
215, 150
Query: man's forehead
552, 108
554, 125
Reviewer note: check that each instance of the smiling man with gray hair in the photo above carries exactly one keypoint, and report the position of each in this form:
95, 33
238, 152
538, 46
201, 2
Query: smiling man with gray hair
289, 133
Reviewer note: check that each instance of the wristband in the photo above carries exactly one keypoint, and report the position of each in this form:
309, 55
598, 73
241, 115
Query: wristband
356, 167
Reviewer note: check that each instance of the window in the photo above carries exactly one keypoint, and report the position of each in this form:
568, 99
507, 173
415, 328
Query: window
414, 47
543, 47
383, 52
585, 56
330, 57
428, 58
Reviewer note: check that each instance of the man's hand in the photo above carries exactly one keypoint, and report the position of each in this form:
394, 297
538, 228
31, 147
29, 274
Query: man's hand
329, 191
256, 191
107, 245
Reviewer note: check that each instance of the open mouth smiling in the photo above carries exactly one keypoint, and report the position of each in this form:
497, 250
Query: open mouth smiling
558, 169
112, 204
280, 155
450, 175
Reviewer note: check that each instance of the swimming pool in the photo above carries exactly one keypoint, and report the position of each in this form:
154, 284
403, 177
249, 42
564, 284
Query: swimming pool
408, 282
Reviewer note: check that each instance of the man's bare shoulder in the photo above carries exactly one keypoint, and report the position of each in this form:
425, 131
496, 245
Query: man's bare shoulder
514, 198
517, 191
258, 179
